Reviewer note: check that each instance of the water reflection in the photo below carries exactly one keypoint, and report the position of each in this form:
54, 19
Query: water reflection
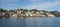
30, 22
1, 22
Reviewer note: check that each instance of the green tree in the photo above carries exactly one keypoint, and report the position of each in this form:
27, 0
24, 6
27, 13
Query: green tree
34, 10
56, 13
25, 10
11, 11
2, 10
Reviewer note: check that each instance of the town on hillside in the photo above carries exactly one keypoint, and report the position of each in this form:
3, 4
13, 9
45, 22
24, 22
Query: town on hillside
27, 13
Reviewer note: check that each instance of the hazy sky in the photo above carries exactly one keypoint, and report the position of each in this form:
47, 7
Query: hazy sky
49, 5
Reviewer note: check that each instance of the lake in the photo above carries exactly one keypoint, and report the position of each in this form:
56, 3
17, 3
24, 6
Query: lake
30, 22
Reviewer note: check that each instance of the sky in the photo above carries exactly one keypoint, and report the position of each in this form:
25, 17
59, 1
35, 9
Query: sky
48, 5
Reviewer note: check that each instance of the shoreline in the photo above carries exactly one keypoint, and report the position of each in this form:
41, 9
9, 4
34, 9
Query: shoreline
28, 17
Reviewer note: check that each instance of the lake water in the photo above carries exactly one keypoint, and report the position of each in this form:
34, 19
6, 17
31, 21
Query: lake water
30, 22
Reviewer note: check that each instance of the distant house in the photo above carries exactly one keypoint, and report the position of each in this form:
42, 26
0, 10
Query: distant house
19, 11
14, 14
42, 15
27, 13
2, 14
50, 15
42, 12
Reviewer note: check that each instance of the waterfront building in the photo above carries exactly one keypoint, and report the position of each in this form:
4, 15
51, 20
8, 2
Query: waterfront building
50, 15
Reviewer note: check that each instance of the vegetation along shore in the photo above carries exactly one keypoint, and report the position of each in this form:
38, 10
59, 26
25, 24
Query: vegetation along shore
28, 13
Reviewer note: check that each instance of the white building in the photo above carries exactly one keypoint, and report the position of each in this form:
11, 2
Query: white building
50, 15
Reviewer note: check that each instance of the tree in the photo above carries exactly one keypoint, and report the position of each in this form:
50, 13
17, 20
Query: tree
56, 13
2, 10
34, 10
25, 10
11, 11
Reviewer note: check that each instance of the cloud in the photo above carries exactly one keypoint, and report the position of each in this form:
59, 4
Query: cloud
44, 5
42, 0
55, 8
33, 0
8, 1
9, 6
